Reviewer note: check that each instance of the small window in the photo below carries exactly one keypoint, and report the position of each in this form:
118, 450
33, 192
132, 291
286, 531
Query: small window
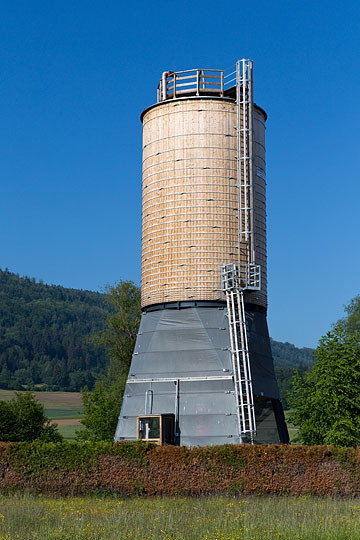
157, 428
149, 428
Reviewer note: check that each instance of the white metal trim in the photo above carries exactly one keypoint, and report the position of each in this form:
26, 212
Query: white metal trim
174, 379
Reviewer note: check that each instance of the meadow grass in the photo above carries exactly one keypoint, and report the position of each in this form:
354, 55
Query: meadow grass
30, 517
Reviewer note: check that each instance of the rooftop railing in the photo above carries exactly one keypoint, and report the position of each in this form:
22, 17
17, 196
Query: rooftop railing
193, 82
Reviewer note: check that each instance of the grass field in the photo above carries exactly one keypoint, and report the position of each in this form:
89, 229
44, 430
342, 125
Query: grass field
56, 401
65, 408
218, 518
69, 432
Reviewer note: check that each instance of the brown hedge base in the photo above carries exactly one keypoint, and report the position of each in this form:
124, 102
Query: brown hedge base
141, 469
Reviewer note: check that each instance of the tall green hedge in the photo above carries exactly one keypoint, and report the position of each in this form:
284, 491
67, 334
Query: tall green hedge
136, 468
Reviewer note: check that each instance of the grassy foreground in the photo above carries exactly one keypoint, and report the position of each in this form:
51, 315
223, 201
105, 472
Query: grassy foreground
217, 518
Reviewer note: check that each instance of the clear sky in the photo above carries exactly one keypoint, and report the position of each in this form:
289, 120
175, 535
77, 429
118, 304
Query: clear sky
75, 77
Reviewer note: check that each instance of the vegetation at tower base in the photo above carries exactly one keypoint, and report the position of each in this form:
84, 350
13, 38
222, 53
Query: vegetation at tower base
23, 419
326, 400
102, 405
137, 468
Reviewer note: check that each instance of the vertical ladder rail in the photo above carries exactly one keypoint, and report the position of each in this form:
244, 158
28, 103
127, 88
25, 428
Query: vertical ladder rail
234, 359
252, 248
247, 382
239, 368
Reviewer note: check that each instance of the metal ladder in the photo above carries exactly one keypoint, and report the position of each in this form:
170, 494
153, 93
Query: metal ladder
245, 275
236, 279
244, 130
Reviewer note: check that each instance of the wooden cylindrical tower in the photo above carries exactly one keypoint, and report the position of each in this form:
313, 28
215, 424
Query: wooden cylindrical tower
190, 212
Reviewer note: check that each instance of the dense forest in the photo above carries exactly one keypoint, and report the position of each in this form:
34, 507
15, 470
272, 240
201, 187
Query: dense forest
45, 338
45, 335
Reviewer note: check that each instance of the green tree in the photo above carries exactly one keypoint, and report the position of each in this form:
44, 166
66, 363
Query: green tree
102, 408
351, 323
326, 400
102, 405
23, 419
122, 324
285, 380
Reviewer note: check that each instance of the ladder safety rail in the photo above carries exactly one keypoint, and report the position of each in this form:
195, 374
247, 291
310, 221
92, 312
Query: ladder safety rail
246, 277
244, 129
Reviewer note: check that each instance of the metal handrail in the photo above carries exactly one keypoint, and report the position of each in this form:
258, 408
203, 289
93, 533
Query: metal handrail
191, 81
172, 84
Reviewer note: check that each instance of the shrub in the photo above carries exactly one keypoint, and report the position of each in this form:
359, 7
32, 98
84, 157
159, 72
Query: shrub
23, 419
138, 468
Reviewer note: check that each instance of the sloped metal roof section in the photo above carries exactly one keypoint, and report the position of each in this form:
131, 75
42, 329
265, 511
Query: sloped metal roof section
182, 365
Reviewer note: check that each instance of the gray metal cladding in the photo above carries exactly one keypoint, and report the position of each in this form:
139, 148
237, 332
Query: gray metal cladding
182, 363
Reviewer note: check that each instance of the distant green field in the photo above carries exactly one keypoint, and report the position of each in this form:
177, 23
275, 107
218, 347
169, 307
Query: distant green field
56, 414
62, 402
52, 400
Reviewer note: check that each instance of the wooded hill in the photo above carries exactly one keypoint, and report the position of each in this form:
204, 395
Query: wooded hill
45, 337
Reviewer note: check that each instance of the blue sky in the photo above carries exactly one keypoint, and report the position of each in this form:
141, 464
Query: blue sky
75, 77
